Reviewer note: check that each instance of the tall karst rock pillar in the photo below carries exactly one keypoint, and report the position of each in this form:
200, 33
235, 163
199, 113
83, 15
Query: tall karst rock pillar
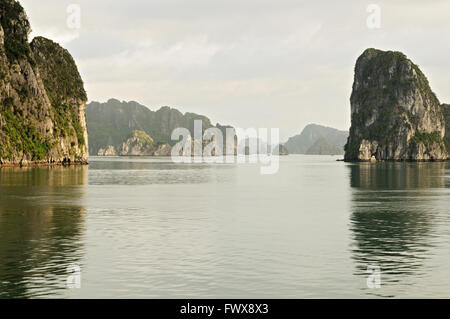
395, 114
42, 98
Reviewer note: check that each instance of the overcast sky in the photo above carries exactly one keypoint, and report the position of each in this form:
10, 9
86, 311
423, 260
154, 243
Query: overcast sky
248, 63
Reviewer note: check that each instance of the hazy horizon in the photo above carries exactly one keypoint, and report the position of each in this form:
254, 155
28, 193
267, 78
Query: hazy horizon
255, 64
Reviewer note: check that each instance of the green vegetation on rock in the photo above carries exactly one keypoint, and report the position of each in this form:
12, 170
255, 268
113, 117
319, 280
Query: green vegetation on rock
65, 125
429, 140
141, 139
22, 136
61, 79
352, 148
16, 30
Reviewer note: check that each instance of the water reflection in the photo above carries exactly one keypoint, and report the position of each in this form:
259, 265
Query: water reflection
393, 218
148, 171
41, 227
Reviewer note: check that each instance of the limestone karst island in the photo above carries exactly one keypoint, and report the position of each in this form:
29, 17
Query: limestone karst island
395, 114
42, 97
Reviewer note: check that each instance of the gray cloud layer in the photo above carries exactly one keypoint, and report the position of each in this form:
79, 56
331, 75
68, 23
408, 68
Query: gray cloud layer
250, 63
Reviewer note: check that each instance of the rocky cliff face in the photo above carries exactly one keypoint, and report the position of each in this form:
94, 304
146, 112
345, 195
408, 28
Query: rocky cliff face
395, 114
163, 149
446, 112
108, 151
42, 99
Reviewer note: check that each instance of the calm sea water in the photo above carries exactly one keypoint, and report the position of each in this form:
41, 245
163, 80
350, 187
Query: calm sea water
146, 227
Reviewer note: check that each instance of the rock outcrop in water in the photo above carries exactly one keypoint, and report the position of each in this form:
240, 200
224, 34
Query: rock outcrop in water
318, 140
42, 98
395, 114
108, 151
138, 143
282, 150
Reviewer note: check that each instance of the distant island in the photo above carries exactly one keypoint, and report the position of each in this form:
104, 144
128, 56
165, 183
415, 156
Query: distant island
128, 128
120, 128
42, 98
317, 140
394, 113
